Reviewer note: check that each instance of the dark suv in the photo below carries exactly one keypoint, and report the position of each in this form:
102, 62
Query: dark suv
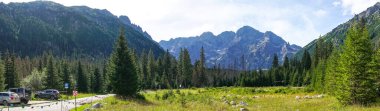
52, 94
23, 93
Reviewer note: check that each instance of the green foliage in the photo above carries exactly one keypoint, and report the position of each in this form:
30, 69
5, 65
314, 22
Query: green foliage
306, 60
356, 82
98, 82
214, 99
65, 30
10, 73
167, 94
35, 81
318, 79
186, 68
82, 80
52, 79
376, 67
199, 73
2, 78
275, 61
332, 73
124, 80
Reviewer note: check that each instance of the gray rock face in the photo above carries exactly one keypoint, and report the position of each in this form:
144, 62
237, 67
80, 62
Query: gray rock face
97, 105
229, 48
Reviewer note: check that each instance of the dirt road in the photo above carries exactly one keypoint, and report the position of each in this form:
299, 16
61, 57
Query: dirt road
55, 105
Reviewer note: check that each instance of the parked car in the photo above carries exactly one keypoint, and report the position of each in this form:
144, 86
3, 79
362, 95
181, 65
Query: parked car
7, 98
52, 94
23, 93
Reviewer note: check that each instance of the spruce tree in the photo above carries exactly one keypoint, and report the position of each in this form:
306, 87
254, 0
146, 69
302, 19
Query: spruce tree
358, 84
286, 70
186, 68
201, 69
98, 81
82, 81
318, 51
151, 70
306, 60
143, 76
179, 68
66, 75
286, 62
275, 62
11, 77
52, 80
376, 68
195, 78
333, 74
124, 80
2, 79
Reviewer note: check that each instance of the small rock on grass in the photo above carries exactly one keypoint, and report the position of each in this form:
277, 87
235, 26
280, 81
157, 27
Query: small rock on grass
242, 103
298, 97
226, 102
243, 109
233, 103
97, 105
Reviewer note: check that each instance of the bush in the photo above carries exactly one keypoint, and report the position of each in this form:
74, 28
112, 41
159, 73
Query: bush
139, 96
157, 96
281, 90
167, 94
182, 100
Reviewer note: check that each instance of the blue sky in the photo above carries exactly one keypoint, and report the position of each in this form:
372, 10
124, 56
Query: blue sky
297, 21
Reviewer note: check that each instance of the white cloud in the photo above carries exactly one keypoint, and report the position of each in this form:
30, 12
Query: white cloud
355, 6
336, 3
320, 13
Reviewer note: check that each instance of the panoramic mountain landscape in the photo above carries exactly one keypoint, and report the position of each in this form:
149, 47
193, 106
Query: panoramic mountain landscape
247, 44
142, 55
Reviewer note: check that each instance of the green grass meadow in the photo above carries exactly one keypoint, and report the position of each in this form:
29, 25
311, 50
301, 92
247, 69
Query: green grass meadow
220, 99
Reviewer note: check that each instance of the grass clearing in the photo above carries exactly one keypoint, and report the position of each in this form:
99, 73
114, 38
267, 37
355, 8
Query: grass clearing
80, 95
224, 98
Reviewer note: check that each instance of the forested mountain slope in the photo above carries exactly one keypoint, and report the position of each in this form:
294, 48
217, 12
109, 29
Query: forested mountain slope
30, 28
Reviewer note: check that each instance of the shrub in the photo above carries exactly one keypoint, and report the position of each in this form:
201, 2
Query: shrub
167, 94
182, 100
281, 90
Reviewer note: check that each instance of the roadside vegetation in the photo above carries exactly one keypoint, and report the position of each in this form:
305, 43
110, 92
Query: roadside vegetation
230, 98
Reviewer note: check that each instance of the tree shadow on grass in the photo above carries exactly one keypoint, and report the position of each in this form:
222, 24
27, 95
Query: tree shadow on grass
138, 98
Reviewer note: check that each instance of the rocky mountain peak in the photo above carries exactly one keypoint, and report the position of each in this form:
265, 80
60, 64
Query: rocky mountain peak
370, 10
229, 46
207, 34
125, 19
246, 29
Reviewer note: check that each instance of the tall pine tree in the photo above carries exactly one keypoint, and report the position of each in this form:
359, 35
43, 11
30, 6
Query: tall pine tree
82, 81
124, 80
11, 77
2, 85
98, 81
358, 83
186, 68
52, 79
202, 70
